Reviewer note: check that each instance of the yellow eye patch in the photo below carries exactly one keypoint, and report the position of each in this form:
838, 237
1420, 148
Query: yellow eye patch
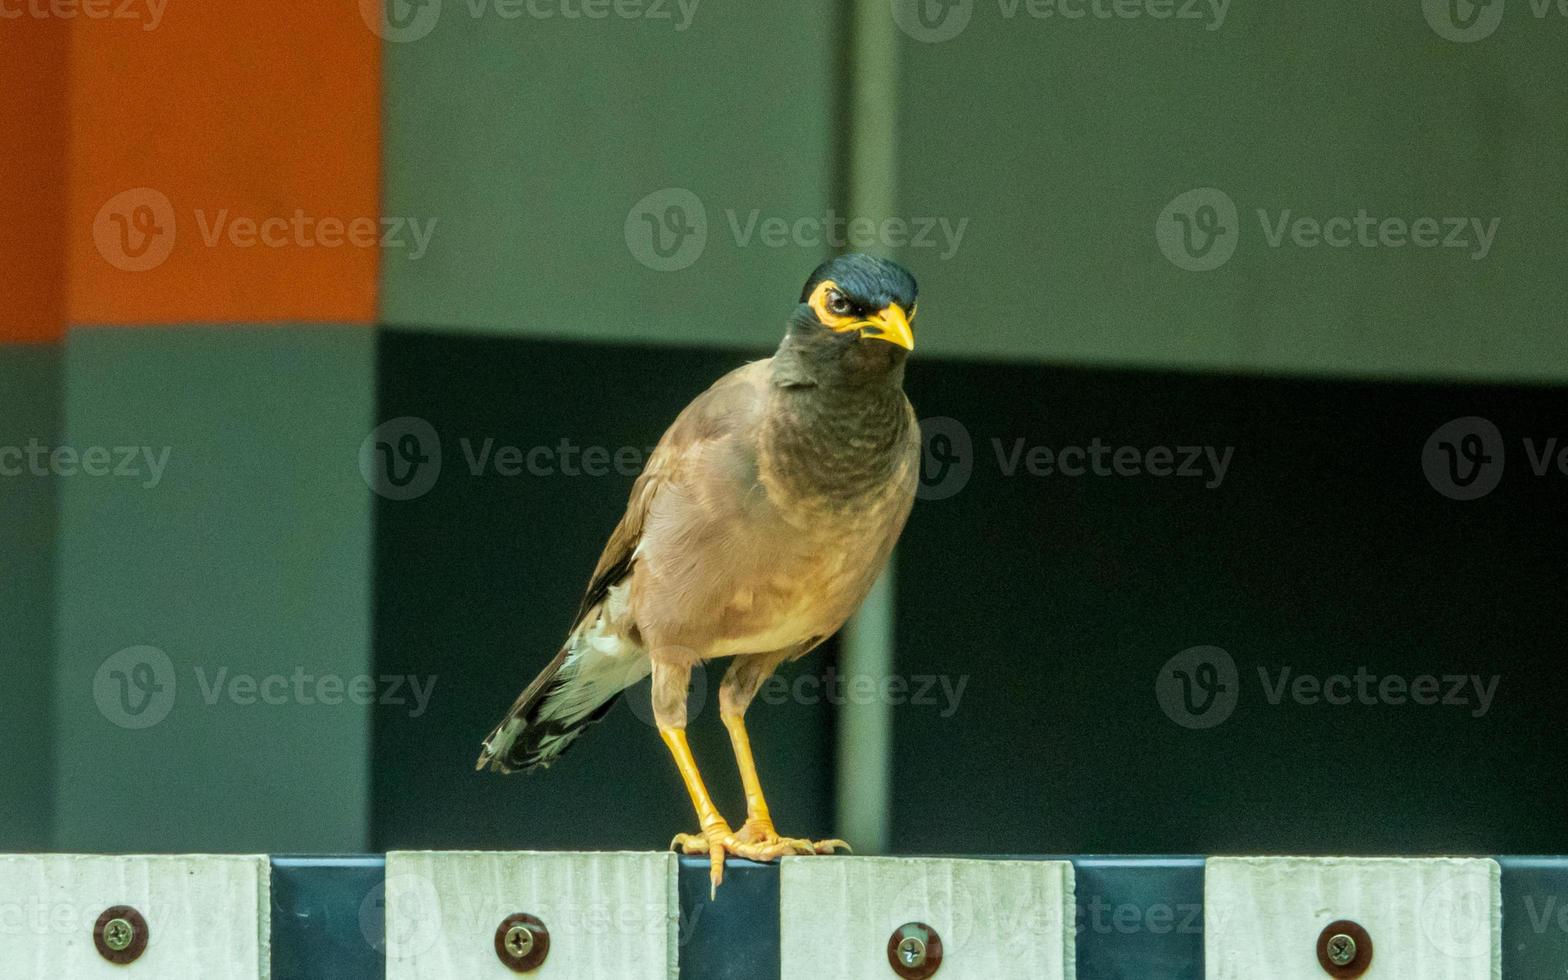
819, 305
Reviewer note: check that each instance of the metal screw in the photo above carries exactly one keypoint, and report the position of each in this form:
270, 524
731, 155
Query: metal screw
118, 935
522, 942
914, 951
1341, 949
1344, 949
519, 941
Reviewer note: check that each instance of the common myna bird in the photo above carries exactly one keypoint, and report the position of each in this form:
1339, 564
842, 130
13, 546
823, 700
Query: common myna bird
758, 526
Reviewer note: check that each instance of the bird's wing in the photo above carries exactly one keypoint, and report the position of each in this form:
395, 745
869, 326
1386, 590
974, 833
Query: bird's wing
716, 415
582, 682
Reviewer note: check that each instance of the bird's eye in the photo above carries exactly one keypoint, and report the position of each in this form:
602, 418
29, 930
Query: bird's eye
838, 304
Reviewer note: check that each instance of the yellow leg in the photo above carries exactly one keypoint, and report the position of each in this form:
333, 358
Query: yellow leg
707, 813
715, 832
759, 829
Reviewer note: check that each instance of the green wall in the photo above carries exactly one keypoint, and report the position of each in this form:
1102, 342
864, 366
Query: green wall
247, 556
29, 410
531, 142
1032, 155
1063, 141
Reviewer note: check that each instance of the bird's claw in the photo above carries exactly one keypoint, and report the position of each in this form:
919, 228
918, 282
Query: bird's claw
757, 832
753, 843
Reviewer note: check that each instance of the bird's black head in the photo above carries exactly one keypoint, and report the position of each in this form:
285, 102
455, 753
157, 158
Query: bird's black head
856, 309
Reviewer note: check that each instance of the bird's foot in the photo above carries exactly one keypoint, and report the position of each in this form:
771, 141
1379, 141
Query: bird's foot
762, 832
754, 842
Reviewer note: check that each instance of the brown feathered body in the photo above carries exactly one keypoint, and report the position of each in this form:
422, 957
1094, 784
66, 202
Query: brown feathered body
758, 527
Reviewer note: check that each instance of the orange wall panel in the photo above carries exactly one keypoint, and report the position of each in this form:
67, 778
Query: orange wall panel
34, 137
226, 164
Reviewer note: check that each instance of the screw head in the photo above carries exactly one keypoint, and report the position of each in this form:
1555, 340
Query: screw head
914, 951
1341, 949
120, 934
522, 942
519, 941
1344, 949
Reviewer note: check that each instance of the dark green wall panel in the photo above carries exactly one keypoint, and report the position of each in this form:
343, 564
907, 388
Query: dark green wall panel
530, 142
247, 556
29, 415
1062, 140
1325, 548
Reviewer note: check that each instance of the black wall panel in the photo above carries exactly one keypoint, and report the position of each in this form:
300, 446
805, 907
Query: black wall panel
1325, 549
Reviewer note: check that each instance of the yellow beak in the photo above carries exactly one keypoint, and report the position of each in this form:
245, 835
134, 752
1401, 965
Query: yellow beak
891, 325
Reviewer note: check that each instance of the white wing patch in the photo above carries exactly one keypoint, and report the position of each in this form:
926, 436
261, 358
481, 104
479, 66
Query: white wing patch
600, 663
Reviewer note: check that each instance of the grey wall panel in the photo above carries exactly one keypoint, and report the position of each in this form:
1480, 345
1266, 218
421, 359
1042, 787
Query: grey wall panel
214, 615
1062, 140
535, 144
